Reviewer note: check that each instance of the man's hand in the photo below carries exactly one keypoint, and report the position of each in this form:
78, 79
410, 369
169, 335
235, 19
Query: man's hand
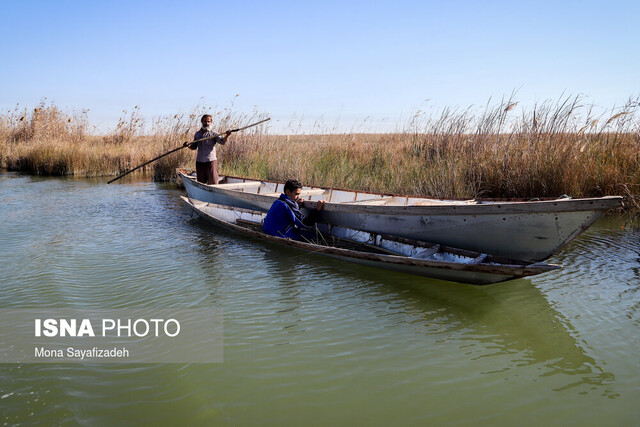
225, 137
319, 205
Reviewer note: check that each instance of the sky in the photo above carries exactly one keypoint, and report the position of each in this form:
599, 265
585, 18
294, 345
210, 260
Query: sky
345, 65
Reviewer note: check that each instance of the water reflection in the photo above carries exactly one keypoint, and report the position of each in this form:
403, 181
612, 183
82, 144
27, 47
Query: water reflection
217, 246
608, 259
512, 319
513, 322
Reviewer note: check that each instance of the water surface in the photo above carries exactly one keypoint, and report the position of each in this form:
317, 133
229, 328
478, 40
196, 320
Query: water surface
310, 339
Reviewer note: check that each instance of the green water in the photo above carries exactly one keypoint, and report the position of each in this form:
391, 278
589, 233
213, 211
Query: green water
310, 340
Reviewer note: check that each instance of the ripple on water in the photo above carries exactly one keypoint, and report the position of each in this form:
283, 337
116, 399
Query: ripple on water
304, 333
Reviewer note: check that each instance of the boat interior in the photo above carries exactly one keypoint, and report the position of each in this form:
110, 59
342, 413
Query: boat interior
333, 195
366, 242
363, 241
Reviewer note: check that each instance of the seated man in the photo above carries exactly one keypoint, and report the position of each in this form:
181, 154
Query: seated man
284, 219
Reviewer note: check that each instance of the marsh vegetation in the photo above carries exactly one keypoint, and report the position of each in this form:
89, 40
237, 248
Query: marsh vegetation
498, 150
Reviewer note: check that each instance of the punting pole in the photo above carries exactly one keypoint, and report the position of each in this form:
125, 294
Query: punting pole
181, 147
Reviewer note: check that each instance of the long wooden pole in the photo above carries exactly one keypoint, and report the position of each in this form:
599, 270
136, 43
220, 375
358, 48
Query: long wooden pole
186, 144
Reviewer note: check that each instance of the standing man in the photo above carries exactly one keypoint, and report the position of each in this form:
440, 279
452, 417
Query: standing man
206, 160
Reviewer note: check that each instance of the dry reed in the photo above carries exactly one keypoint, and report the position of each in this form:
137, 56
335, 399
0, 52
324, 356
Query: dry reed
556, 148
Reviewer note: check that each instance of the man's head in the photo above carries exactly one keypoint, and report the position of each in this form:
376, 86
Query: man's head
292, 189
206, 121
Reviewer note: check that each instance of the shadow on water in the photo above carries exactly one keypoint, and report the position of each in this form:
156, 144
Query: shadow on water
512, 319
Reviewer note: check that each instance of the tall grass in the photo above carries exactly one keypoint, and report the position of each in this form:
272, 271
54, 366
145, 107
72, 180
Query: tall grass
556, 148
498, 150
47, 141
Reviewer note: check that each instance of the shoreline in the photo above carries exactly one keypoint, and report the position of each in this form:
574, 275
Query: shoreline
486, 154
387, 163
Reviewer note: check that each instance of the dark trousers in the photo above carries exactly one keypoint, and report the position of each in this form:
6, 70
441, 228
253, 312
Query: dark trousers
207, 172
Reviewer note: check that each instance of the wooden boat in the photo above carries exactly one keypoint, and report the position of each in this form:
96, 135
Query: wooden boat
529, 230
389, 252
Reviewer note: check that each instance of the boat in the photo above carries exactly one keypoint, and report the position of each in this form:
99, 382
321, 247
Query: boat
531, 230
377, 250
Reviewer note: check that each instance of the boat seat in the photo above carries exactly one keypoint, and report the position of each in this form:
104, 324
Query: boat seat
376, 201
257, 226
313, 192
443, 202
479, 259
428, 252
240, 185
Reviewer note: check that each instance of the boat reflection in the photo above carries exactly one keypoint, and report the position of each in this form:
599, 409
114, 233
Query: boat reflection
512, 321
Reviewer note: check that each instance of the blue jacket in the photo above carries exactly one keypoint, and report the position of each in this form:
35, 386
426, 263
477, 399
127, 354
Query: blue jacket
284, 219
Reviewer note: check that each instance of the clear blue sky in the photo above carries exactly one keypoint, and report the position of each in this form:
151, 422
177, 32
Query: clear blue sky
339, 60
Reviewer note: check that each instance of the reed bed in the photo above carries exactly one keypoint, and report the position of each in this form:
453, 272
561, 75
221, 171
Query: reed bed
556, 148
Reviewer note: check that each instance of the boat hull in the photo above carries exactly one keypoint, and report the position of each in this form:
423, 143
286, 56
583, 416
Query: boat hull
530, 230
463, 272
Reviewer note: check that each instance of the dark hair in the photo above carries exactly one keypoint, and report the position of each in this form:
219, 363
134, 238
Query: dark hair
204, 117
292, 185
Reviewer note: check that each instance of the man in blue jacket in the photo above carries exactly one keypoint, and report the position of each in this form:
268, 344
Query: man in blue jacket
284, 219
